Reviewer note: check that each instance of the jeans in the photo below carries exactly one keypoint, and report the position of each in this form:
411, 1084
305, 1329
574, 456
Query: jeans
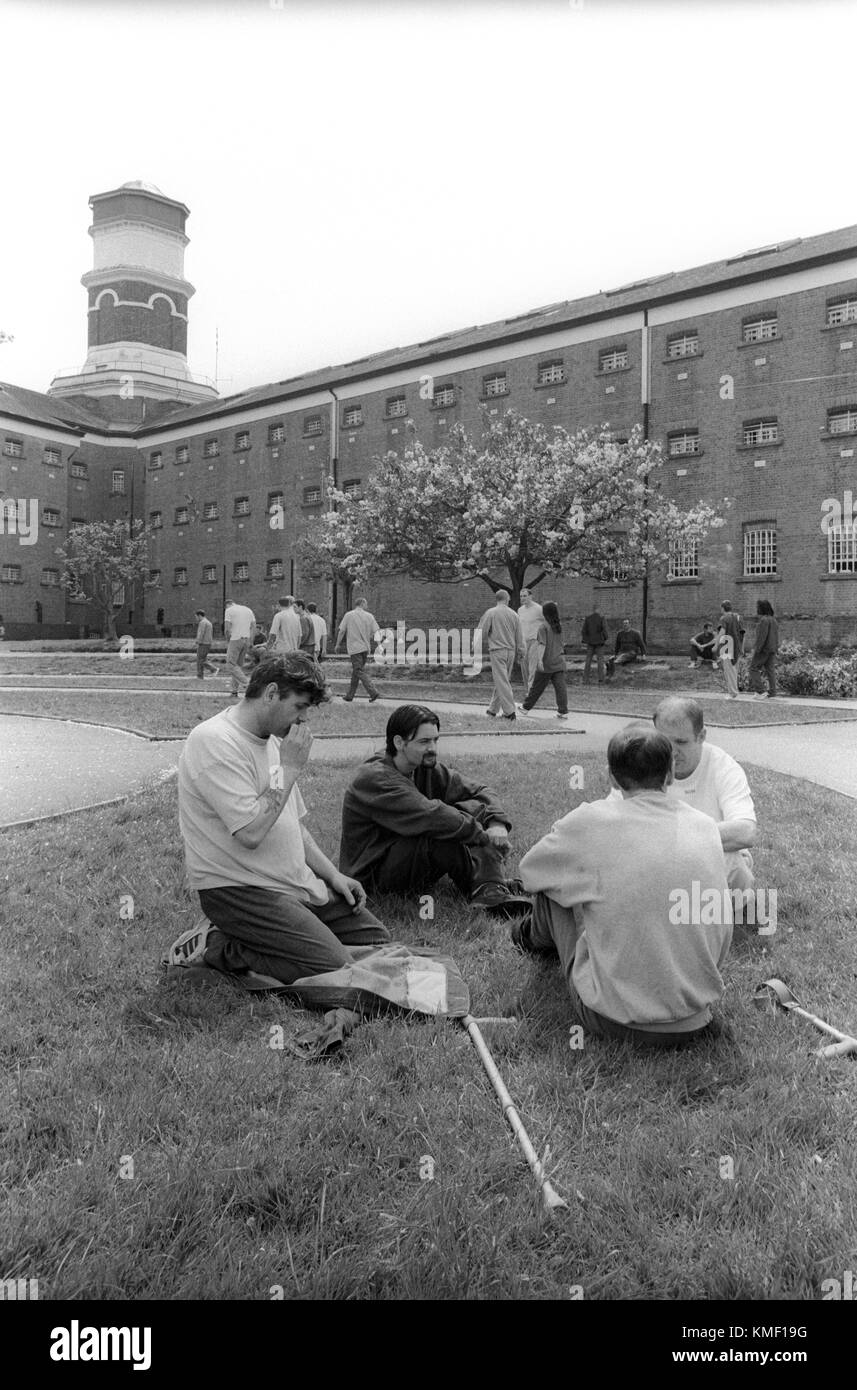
768, 664
234, 662
274, 934
590, 653
540, 683
359, 675
416, 862
202, 661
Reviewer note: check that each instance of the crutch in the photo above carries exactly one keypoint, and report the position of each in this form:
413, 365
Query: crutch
775, 989
550, 1196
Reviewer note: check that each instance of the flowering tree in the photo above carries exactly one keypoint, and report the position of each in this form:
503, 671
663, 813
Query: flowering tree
329, 548
523, 497
100, 558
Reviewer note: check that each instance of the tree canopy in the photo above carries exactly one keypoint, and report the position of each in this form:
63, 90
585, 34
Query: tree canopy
98, 557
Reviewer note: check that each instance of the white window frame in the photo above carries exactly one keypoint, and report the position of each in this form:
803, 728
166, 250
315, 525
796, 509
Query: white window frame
51, 512
13, 448
353, 416
397, 407
495, 385
683, 345
156, 520
79, 470
276, 434
760, 330
842, 311
444, 397
613, 359
240, 571
211, 511
842, 549
551, 374
759, 547
313, 425
180, 575
680, 445
182, 516
120, 486
183, 454
10, 574
758, 432
53, 457
311, 501
842, 421
211, 449
241, 506
50, 583
209, 578
156, 459
683, 560
242, 447
274, 569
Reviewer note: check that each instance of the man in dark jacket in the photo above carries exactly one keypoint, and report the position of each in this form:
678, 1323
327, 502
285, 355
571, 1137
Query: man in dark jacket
629, 647
407, 820
594, 639
764, 658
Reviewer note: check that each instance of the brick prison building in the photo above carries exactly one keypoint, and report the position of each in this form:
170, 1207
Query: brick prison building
745, 371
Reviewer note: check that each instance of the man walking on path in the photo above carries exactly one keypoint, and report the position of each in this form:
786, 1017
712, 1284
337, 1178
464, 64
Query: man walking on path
766, 644
730, 645
320, 629
307, 642
594, 639
501, 629
239, 625
277, 903
629, 647
358, 628
204, 639
530, 617
285, 634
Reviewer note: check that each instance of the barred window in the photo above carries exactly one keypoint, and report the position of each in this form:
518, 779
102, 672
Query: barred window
211, 511
494, 385
79, 470
761, 432
240, 571
182, 516
760, 330
210, 449
118, 594
312, 495
612, 359
353, 416
616, 572
841, 311
156, 460
156, 519
351, 487
444, 396
760, 550
118, 484
51, 517
683, 345
242, 440
276, 434
276, 499
683, 559
209, 574
53, 457
274, 569
242, 506
842, 420
10, 574
550, 373
842, 549
685, 443
396, 405
180, 575
51, 577
313, 425
154, 576
183, 453
13, 448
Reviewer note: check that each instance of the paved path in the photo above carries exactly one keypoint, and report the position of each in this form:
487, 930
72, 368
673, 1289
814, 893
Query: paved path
50, 766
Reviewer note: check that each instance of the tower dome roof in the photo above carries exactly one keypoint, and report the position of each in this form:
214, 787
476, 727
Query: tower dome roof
144, 187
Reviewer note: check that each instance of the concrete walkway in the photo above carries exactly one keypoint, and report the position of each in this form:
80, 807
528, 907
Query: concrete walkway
50, 767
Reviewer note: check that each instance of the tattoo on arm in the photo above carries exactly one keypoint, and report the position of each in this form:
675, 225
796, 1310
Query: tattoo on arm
274, 800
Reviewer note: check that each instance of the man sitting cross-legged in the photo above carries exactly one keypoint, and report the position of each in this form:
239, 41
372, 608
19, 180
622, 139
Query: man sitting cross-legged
279, 906
407, 820
606, 882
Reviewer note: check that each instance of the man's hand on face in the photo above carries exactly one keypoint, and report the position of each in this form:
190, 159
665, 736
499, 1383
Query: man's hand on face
295, 747
348, 888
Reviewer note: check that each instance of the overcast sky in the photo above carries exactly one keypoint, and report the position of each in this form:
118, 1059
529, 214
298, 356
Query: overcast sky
363, 176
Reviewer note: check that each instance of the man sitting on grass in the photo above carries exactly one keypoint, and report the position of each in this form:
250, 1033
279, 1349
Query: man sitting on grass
407, 820
606, 881
629, 647
279, 906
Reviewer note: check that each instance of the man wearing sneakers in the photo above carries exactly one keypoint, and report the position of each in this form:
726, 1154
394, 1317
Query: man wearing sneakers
729, 646
358, 628
239, 625
501, 630
204, 639
407, 820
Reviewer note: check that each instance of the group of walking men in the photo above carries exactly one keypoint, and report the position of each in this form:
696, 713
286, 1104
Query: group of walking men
596, 889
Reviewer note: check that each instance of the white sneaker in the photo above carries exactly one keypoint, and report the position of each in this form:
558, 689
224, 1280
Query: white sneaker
761, 696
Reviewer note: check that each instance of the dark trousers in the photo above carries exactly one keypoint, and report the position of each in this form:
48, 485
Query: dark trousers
202, 661
704, 652
358, 674
540, 683
274, 934
768, 664
416, 863
591, 652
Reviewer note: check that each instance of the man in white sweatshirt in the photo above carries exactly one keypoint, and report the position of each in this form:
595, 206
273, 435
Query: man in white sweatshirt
632, 894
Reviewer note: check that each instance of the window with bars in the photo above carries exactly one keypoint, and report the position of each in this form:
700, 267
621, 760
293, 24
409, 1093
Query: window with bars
10, 574
118, 594
396, 406
242, 506
154, 576
353, 416
156, 460
276, 434
155, 520
242, 441
685, 443
118, 484
612, 359
183, 453
311, 496
275, 500
444, 396
683, 559
77, 521
494, 385
182, 516
209, 574
550, 373
760, 550
53, 457
616, 572
313, 425
211, 511
180, 574
274, 569
759, 330
842, 420
240, 571
79, 470
683, 345
351, 487
211, 448
842, 549
761, 432
13, 448
841, 311
51, 577
51, 517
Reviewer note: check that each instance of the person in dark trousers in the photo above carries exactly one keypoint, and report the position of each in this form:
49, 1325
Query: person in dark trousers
204, 639
358, 629
550, 667
702, 647
407, 820
764, 658
594, 639
629, 647
307, 641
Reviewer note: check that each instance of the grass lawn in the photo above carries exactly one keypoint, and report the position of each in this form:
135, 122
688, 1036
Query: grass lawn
252, 1170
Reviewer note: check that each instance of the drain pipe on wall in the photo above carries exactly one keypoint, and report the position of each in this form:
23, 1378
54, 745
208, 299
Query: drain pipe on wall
333, 472
645, 369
